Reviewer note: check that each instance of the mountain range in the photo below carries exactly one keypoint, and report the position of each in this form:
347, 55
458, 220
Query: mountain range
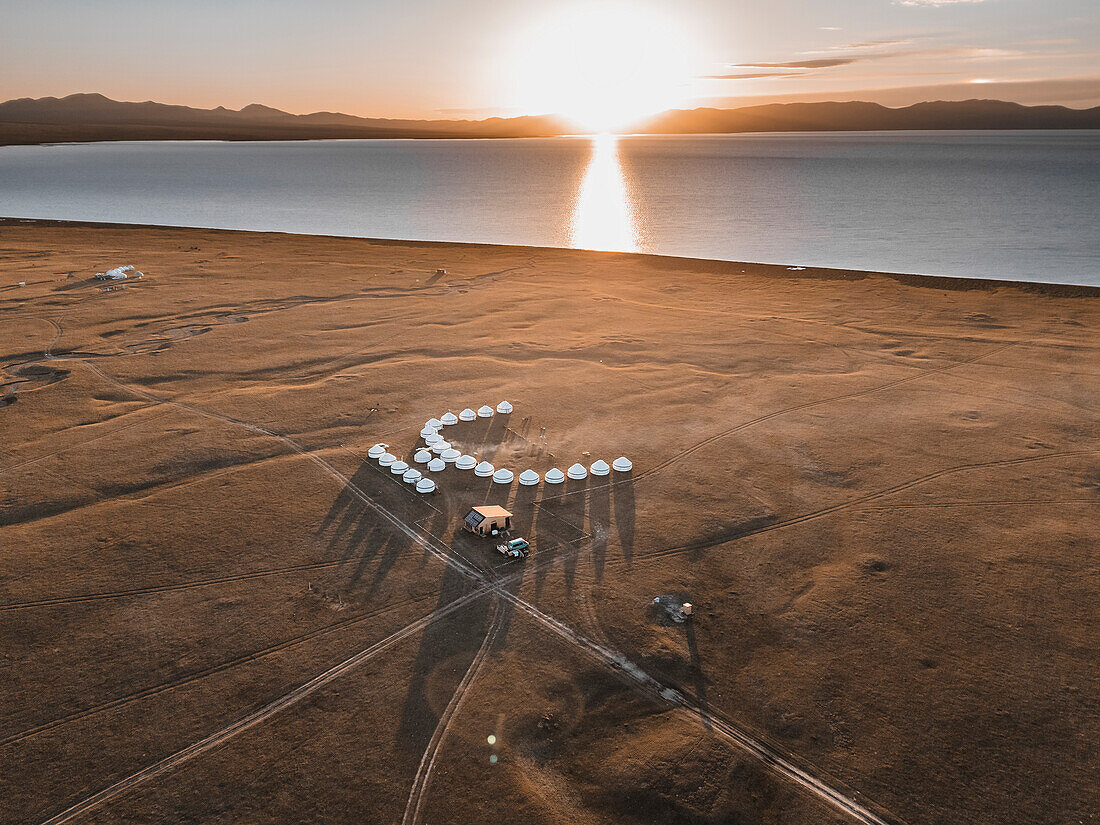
93, 117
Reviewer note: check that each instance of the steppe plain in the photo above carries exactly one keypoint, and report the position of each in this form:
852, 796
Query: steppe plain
881, 493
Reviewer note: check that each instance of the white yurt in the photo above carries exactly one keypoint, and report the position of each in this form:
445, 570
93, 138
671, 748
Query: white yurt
577, 472
503, 476
467, 415
528, 478
622, 464
599, 467
485, 411
434, 438
484, 469
450, 455
386, 459
554, 476
437, 464
504, 407
466, 462
422, 456
411, 475
434, 423
377, 450
425, 485
424, 433
399, 467
448, 419
440, 447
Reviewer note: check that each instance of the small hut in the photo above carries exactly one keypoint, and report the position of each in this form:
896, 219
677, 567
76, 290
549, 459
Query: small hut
487, 519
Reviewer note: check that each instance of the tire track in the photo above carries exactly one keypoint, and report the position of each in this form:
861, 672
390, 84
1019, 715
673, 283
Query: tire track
419, 791
166, 588
266, 712
706, 544
202, 674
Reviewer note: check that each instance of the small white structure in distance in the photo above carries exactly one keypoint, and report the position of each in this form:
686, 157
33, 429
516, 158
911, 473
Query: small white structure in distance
484, 469
484, 411
116, 274
467, 415
528, 478
554, 476
450, 455
466, 462
434, 423
441, 446
437, 464
504, 407
412, 474
425, 485
622, 464
448, 419
427, 431
434, 438
377, 450
422, 456
600, 467
386, 459
577, 472
398, 468
503, 476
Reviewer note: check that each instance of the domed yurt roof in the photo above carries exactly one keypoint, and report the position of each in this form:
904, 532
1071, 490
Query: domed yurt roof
466, 462
485, 411
425, 485
448, 418
437, 464
422, 456
554, 476
577, 472
467, 415
398, 467
600, 467
528, 478
504, 407
503, 476
410, 475
377, 450
424, 433
434, 438
622, 464
386, 459
439, 447
484, 469
434, 423
450, 455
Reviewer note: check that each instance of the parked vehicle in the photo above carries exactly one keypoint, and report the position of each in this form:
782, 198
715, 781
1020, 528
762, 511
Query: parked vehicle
514, 548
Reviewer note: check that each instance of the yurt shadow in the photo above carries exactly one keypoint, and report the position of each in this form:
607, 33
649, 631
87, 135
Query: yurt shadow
447, 647
700, 680
571, 509
599, 520
497, 434
622, 492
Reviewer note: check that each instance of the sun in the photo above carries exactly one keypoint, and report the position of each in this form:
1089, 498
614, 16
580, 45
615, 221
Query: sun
603, 66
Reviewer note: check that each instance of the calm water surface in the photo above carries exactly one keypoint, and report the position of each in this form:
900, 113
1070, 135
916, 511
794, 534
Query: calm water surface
996, 204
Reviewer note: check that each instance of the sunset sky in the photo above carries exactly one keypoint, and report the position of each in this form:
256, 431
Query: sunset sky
426, 58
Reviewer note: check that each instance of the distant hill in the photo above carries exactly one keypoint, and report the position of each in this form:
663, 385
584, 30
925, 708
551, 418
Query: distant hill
86, 117
867, 117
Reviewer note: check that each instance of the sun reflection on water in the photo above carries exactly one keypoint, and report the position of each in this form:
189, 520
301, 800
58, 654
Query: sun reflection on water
603, 217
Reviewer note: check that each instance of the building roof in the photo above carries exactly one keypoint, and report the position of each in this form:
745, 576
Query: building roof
492, 511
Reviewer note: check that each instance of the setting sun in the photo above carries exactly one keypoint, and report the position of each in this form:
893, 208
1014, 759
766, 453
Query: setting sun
603, 67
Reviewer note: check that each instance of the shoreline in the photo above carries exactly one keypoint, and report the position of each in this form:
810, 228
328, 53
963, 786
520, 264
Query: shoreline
712, 266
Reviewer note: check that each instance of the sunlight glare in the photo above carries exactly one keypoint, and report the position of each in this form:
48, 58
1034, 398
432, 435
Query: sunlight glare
603, 218
605, 66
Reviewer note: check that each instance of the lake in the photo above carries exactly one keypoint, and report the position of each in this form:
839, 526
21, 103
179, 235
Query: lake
1018, 205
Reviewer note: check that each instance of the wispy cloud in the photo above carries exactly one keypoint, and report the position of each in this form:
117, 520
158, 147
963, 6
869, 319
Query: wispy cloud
821, 63
749, 75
